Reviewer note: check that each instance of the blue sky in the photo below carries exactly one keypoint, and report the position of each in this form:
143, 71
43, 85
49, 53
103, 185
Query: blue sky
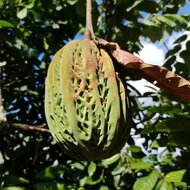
186, 9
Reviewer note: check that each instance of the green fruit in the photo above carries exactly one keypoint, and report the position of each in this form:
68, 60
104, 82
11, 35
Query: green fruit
85, 102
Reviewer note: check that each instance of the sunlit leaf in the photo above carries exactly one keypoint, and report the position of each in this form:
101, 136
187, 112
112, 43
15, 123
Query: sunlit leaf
163, 185
142, 165
3, 63
91, 168
176, 177
104, 188
134, 5
110, 161
148, 182
78, 165
22, 13
5, 24
14, 188
72, 2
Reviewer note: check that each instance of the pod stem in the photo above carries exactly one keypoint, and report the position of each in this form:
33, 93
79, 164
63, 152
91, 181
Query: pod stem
89, 32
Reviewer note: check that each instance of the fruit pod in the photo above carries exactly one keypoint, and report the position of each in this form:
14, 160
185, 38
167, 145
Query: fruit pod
86, 106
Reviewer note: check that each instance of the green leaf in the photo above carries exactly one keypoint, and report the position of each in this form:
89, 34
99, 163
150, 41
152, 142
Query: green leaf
179, 140
149, 6
120, 167
49, 186
109, 161
176, 17
3, 63
31, 4
89, 181
142, 165
78, 166
176, 177
174, 125
149, 23
91, 168
14, 188
163, 185
162, 142
134, 149
72, 2
104, 188
166, 20
6, 24
51, 172
22, 13
134, 5
14, 180
148, 182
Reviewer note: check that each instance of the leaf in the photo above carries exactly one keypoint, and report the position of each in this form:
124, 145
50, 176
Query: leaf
149, 23
135, 149
31, 4
179, 140
14, 180
89, 181
159, 76
162, 142
173, 125
3, 63
110, 161
149, 6
163, 185
148, 182
49, 186
134, 5
104, 187
120, 167
51, 172
91, 168
72, 2
6, 24
14, 188
78, 166
176, 17
166, 20
176, 177
142, 165
22, 13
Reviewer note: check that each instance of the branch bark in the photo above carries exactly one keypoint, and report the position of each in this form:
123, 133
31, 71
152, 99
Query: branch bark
2, 112
159, 76
5, 126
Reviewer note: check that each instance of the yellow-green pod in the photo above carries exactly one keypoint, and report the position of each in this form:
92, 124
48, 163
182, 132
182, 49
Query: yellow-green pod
85, 102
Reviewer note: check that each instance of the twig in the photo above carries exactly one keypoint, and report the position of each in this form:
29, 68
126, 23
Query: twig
2, 113
38, 128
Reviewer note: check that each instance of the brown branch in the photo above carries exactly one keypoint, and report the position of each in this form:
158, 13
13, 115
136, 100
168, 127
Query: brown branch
89, 32
159, 76
38, 128
2, 112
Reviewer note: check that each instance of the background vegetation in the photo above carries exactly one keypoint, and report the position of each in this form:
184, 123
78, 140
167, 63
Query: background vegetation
31, 31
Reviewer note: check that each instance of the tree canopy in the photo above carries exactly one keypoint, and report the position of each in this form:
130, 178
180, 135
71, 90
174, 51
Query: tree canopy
31, 32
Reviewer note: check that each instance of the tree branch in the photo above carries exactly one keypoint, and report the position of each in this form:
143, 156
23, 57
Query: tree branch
5, 126
157, 75
2, 112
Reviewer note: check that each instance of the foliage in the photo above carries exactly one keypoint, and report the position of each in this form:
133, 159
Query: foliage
31, 31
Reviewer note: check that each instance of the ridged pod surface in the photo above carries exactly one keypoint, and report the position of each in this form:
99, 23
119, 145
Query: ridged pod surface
85, 102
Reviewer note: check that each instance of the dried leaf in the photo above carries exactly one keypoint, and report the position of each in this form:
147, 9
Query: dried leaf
159, 76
